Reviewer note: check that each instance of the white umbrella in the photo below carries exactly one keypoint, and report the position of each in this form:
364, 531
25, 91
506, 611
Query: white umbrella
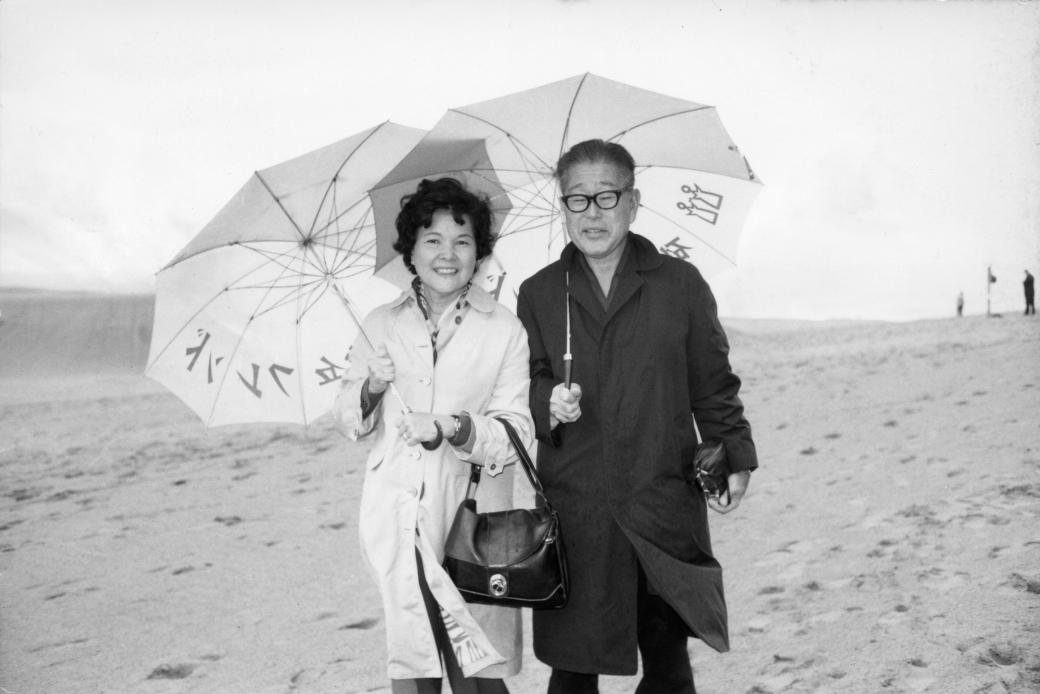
250, 323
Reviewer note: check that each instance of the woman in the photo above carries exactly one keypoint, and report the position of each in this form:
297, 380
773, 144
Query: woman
458, 359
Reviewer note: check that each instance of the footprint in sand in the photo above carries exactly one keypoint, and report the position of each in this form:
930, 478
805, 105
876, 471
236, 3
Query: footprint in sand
363, 624
172, 672
1030, 585
940, 580
759, 623
333, 526
1004, 653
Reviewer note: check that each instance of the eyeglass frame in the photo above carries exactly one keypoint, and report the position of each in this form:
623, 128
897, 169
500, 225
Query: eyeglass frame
592, 199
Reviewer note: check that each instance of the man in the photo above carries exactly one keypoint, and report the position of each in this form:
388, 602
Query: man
1027, 286
616, 447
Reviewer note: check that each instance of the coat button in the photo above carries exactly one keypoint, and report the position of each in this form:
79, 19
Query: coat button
493, 466
425, 380
413, 491
416, 455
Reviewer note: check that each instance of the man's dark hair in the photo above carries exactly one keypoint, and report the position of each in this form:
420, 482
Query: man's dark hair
592, 151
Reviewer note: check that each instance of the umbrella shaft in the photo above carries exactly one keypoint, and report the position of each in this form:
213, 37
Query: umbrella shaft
361, 331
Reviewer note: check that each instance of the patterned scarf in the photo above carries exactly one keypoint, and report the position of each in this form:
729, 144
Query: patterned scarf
441, 331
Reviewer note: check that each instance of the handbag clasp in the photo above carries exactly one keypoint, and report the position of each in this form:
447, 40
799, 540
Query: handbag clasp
498, 586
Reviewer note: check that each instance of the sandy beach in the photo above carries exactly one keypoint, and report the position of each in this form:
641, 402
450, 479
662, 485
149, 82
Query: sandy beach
889, 543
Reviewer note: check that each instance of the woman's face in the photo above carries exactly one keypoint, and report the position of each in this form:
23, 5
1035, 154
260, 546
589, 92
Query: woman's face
445, 255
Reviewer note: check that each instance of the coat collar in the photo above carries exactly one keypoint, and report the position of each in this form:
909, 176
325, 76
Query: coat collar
643, 256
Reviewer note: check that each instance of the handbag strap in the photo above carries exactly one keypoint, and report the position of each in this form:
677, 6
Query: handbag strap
525, 459
525, 463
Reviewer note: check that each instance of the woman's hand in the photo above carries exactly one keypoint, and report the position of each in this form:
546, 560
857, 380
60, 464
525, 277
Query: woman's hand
417, 427
380, 370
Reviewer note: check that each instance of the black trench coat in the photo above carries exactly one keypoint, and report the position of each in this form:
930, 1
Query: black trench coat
621, 476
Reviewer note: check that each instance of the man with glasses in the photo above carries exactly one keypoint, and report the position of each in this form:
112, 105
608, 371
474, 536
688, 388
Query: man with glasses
616, 444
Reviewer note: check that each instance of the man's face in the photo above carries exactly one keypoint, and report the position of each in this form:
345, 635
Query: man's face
598, 233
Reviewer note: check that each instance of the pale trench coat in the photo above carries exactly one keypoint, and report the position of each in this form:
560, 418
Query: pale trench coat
410, 495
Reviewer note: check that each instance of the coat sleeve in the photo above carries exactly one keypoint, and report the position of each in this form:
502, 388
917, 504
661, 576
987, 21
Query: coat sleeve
542, 378
509, 400
714, 400
347, 409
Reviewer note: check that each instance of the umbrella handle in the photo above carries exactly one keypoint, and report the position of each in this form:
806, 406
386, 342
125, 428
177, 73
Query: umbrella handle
405, 409
567, 356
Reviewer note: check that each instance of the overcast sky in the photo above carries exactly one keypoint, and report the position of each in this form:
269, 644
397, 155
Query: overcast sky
899, 142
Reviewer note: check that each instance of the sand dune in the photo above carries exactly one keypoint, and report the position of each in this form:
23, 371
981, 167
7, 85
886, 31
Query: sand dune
889, 543
50, 333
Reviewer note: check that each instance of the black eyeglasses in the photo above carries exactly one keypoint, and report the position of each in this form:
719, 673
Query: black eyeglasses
605, 200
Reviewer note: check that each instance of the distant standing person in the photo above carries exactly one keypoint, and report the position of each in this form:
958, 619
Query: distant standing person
1027, 285
960, 304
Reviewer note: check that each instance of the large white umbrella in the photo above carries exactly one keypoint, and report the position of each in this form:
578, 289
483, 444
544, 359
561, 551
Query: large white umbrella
250, 321
696, 186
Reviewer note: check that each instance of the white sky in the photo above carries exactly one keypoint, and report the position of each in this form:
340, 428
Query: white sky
899, 141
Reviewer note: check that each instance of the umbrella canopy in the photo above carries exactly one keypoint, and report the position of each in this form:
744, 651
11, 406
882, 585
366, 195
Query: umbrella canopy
250, 324
696, 186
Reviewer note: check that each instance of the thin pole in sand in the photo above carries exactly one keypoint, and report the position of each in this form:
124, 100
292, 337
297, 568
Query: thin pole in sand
990, 279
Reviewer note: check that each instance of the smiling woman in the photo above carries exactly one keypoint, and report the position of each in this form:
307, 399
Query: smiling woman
459, 360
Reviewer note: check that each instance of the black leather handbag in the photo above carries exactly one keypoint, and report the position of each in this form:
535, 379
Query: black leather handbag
513, 558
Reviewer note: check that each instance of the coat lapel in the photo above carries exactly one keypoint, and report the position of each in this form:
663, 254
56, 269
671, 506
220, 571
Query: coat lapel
628, 284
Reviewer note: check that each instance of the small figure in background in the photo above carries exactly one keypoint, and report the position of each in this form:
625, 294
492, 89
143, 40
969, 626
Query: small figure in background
1027, 285
960, 304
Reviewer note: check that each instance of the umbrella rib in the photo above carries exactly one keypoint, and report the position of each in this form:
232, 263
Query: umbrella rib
280, 205
297, 289
354, 233
234, 284
359, 249
275, 258
570, 113
335, 176
656, 119
312, 300
536, 220
693, 234
752, 180
333, 219
238, 344
354, 259
502, 130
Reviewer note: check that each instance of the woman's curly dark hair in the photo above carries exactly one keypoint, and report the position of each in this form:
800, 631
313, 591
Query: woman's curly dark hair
442, 194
